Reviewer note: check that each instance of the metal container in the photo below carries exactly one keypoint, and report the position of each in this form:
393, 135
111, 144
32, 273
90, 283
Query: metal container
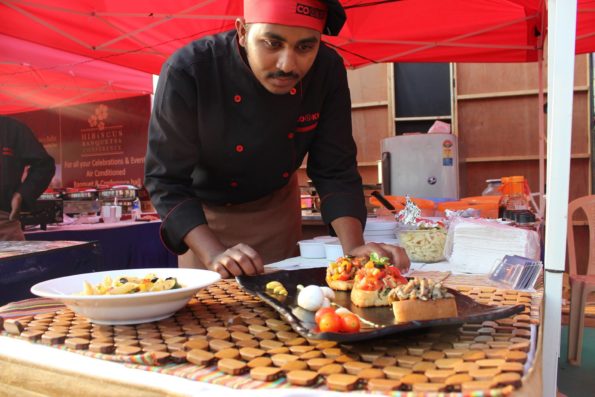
121, 192
50, 196
78, 195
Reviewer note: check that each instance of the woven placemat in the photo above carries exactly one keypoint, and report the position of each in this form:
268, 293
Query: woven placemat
227, 337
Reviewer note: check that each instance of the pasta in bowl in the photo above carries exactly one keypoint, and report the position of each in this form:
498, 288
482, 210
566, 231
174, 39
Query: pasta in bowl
130, 285
127, 305
424, 245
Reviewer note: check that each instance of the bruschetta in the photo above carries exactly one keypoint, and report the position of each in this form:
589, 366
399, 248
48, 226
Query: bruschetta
374, 281
340, 273
422, 299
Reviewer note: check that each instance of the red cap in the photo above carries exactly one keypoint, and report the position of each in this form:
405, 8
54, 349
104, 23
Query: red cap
303, 13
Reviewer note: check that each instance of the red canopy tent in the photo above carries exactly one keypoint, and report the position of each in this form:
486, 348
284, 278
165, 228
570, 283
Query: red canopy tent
141, 35
33, 76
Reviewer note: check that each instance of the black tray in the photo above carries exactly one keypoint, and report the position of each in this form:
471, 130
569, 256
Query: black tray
377, 321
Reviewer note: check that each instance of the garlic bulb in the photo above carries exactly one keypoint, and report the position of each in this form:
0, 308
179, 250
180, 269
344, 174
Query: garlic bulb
311, 298
328, 293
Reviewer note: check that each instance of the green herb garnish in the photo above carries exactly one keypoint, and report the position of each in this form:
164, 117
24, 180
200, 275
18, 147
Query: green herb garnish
379, 262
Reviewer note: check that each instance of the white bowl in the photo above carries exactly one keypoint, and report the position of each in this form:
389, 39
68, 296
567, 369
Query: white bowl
333, 250
326, 239
382, 240
374, 224
133, 308
379, 232
312, 248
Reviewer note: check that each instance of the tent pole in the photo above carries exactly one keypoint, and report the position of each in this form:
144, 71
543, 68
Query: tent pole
561, 48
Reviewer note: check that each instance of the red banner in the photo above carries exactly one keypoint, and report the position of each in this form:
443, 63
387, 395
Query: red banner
105, 143
95, 144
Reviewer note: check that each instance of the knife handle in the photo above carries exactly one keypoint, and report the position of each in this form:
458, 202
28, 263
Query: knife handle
383, 200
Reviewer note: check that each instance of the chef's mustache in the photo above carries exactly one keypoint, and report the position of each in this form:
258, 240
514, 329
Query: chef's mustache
279, 74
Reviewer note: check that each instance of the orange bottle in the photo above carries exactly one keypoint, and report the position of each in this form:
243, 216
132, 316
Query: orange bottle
517, 196
504, 195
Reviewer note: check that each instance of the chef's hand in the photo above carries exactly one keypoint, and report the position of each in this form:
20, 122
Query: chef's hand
15, 206
238, 260
228, 262
395, 254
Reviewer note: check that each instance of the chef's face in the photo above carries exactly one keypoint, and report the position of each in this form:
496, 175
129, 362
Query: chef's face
279, 55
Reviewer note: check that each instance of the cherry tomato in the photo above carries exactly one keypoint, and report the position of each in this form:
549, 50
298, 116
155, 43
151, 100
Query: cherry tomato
349, 322
397, 275
344, 276
321, 312
330, 322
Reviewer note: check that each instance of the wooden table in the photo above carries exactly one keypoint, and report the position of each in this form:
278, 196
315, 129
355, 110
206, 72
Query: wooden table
26, 367
124, 245
25, 263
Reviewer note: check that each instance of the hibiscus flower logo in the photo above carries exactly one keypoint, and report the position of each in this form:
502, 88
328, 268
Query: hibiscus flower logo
99, 118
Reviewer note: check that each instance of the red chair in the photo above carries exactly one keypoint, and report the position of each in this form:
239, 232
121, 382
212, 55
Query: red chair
582, 285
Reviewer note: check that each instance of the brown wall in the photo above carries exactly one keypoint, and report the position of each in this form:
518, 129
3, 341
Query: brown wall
370, 118
498, 113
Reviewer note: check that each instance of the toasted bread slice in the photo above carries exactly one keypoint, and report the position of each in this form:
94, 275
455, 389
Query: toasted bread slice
364, 298
417, 309
340, 285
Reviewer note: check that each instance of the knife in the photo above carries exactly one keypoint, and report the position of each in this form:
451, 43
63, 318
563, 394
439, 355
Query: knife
383, 201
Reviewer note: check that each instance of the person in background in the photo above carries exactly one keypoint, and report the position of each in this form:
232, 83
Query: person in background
19, 149
234, 116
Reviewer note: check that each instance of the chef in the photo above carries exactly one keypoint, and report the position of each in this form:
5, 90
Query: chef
234, 116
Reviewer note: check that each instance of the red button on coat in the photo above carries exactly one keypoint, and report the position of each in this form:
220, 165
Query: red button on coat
290, 135
239, 148
233, 184
292, 91
285, 174
237, 99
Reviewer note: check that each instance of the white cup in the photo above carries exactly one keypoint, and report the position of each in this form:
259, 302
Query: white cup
333, 250
311, 249
111, 213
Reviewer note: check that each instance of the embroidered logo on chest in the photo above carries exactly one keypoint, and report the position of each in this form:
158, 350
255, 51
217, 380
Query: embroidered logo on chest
307, 122
6, 151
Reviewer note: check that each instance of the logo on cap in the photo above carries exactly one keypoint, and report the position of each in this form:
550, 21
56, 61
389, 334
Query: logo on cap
310, 11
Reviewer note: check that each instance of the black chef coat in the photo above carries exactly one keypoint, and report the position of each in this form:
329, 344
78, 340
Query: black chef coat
216, 135
19, 148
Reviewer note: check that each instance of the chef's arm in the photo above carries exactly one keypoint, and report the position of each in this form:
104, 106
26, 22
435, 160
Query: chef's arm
229, 262
350, 233
349, 230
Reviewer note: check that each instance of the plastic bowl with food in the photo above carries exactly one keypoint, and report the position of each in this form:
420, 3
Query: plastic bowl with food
424, 245
135, 306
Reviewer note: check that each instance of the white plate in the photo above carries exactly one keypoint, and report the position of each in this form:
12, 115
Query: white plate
133, 308
380, 224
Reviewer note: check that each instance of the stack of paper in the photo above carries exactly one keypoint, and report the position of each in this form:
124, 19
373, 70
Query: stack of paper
476, 245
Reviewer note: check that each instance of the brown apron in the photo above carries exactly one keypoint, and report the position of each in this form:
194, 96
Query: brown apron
10, 230
271, 225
